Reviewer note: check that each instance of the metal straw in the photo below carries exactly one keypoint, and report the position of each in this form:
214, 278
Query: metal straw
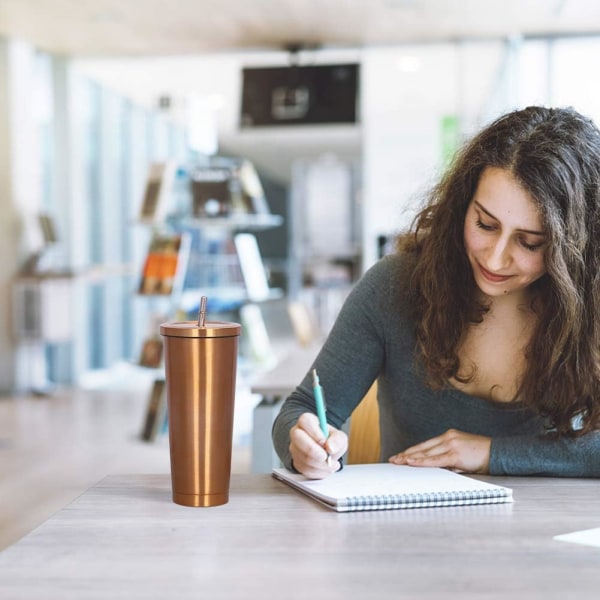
202, 313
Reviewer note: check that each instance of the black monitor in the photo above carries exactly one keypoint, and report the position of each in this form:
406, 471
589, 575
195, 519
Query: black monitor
299, 95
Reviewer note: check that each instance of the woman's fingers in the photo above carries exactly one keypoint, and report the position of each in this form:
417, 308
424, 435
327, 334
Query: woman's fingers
454, 450
313, 454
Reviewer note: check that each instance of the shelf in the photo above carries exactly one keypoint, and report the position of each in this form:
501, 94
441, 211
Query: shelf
232, 296
241, 221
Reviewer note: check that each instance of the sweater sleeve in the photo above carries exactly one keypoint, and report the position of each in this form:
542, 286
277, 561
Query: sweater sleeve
348, 362
546, 455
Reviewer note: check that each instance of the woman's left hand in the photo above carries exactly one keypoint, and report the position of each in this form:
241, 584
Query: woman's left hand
454, 450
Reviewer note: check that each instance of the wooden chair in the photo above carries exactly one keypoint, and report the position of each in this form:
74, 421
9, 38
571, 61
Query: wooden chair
363, 437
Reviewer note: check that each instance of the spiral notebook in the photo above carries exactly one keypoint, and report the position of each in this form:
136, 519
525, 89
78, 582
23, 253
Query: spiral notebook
387, 486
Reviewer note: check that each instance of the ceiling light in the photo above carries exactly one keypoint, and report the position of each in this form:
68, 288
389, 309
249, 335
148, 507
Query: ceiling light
408, 64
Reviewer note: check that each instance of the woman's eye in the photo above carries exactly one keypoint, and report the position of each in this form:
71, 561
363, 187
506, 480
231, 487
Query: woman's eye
484, 226
530, 247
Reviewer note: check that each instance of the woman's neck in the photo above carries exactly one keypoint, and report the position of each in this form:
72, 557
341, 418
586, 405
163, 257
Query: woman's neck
492, 352
508, 305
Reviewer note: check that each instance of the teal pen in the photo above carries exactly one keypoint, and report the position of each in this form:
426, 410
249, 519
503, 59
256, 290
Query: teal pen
320, 403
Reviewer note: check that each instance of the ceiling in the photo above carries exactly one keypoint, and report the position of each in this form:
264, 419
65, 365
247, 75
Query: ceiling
94, 28
188, 29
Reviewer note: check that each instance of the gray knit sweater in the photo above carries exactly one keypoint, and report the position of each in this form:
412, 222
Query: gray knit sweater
373, 338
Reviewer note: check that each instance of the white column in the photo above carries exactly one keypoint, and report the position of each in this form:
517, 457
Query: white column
70, 214
19, 194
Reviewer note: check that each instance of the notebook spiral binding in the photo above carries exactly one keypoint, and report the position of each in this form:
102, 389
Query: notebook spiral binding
424, 500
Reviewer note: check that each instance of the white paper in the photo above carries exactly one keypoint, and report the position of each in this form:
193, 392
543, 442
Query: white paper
588, 537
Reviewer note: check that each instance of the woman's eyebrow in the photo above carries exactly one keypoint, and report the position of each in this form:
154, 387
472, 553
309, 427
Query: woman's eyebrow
489, 214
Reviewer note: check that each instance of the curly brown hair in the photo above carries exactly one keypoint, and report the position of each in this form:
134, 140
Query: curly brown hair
554, 154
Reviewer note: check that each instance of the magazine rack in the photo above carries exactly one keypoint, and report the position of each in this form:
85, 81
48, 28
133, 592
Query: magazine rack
206, 248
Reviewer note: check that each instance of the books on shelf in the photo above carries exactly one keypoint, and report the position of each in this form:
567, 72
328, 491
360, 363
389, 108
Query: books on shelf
227, 187
304, 323
48, 228
251, 264
159, 185
151, 354
211, 192
156, 412
257, 336
152, 351
253, 194
386, 486
165, 263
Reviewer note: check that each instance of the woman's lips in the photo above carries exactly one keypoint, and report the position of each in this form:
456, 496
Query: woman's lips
492, 277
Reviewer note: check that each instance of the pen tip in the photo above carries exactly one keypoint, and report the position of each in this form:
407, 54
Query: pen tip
315, 376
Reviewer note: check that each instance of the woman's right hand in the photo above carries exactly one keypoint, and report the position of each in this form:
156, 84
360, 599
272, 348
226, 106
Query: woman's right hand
313, 455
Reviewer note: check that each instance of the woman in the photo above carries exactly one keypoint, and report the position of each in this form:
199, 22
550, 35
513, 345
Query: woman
483, 329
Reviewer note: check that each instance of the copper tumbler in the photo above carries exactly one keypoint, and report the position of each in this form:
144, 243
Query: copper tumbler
200, 372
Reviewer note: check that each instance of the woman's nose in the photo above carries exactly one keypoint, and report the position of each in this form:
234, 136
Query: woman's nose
499, 256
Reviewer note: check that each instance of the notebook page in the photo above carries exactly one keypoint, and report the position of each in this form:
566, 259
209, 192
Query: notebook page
386, 479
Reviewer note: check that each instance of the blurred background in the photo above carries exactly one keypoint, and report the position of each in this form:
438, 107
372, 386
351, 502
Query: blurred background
268, 151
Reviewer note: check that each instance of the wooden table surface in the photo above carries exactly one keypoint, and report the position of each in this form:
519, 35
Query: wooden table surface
124, 538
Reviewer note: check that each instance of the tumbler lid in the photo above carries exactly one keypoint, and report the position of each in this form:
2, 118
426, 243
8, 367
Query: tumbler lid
211, 329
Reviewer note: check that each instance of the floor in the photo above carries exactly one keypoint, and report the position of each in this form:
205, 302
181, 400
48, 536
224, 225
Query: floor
52, 448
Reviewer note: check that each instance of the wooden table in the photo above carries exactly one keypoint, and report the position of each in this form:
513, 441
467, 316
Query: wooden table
124, 538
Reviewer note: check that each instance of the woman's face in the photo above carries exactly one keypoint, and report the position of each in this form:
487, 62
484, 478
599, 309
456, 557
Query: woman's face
504, 237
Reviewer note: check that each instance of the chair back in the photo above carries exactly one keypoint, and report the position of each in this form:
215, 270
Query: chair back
364, 444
